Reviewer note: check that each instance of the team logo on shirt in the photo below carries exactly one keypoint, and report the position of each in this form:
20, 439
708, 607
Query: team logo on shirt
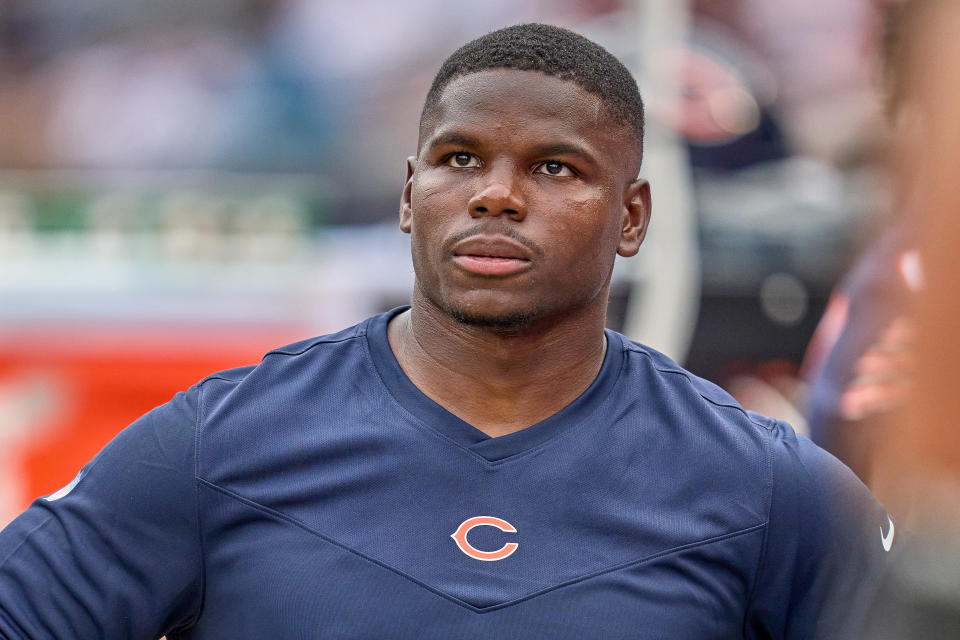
460, 537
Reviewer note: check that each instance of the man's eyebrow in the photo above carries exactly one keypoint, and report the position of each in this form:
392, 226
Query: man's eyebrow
453, 138
564, 149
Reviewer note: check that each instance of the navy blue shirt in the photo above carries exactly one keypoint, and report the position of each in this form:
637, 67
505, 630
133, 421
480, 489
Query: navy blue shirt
320, 494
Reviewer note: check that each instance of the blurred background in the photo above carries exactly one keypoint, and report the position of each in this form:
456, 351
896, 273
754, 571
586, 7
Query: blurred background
186, 184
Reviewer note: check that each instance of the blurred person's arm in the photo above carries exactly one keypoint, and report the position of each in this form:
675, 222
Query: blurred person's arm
882, 375
859, 362
116, 553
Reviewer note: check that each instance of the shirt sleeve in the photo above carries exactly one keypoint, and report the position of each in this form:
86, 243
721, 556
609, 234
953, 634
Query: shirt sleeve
116, 553
828, 544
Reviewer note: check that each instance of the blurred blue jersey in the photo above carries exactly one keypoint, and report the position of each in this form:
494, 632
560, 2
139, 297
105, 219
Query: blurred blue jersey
872, 296
320, 494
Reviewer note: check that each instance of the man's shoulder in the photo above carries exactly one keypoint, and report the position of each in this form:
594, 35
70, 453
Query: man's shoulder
702, 432
276, 364
251, 417
791, 454
712, 418
646, 367
306, 382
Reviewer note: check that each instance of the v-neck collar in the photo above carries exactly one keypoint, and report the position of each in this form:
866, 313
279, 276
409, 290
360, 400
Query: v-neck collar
492, 449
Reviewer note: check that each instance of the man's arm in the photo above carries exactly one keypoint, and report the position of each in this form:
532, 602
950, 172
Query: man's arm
115, 554
828, 543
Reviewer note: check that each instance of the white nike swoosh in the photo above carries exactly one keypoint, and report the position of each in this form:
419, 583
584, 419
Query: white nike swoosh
887, 539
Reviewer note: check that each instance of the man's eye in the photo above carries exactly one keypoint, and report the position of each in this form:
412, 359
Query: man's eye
463, 160
552, 168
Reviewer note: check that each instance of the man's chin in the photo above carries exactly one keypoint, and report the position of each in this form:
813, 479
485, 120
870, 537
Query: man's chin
503, 321
482, 310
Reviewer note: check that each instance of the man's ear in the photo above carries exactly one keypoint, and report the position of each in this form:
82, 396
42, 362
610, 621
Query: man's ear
635, 217
406, 210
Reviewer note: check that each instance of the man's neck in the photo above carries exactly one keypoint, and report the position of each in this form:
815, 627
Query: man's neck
499, 381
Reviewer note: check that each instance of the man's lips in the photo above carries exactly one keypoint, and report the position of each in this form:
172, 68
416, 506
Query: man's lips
491, 255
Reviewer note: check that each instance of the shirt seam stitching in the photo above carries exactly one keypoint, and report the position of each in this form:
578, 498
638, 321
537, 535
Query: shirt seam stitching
315, 342
501, 605
762, 556
198, 430
26, 538
10, 624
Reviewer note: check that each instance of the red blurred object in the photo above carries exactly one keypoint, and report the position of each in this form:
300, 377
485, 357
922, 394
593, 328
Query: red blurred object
66, 391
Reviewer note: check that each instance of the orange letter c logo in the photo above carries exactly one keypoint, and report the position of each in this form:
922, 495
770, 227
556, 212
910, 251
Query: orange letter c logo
460, 537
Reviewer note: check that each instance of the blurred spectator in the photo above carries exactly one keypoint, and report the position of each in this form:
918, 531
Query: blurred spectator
917, 463
859, 361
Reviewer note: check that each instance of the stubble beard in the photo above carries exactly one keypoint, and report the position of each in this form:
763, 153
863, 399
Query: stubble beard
503, 322
509, 321
473, 316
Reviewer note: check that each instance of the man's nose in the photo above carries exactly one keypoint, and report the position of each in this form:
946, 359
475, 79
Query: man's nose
498, 195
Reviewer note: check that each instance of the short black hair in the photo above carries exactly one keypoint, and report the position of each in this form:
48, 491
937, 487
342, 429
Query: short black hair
556, 52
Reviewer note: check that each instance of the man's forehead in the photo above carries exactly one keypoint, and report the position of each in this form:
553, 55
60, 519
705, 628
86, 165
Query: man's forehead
530, 84
508, 98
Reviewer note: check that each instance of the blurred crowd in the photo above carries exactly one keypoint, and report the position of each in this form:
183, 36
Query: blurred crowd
331, 89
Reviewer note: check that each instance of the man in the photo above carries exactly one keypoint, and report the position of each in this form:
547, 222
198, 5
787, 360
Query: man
489, 463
